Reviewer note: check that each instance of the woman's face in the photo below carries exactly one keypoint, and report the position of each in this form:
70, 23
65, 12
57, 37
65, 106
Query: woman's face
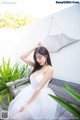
41, 59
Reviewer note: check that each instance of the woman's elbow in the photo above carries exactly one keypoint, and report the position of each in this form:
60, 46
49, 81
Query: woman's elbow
21, 57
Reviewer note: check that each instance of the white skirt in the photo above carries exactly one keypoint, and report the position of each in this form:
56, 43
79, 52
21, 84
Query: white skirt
42, 108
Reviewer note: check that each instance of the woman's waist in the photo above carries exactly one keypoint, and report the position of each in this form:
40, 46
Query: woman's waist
35, 86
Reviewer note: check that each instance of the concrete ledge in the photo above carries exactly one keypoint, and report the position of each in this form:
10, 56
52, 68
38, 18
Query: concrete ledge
56, 86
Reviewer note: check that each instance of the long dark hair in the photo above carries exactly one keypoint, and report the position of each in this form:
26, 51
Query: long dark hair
43, 51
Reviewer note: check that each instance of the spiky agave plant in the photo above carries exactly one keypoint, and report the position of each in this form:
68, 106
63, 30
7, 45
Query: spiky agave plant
10, 73
74, 110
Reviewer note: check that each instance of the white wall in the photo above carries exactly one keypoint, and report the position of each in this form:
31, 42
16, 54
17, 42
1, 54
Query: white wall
7, 45
66, 62
68, 21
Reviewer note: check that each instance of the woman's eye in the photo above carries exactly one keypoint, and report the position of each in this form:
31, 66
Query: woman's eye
38, 58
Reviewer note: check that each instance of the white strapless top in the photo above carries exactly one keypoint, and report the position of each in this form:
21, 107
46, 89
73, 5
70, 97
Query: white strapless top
35, 80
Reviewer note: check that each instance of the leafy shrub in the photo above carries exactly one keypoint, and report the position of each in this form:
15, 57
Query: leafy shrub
8, 74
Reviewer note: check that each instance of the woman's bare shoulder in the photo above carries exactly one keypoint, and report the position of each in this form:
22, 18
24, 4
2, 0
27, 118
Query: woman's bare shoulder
49, 69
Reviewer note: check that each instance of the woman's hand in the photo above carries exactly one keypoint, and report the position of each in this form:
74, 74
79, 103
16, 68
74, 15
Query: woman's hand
23, 108
39, 44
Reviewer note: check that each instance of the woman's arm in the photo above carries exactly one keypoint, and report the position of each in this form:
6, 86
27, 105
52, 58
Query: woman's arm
24, 57
47, 76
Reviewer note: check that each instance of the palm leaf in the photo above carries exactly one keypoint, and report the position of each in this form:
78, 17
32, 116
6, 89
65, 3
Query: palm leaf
67, 106
75, 95
2, 94
9, 97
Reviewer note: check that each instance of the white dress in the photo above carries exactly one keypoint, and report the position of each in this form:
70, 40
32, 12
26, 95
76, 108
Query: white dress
42, 108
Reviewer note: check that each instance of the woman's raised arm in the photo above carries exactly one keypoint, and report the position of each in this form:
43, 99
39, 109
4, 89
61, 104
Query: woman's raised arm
24, 57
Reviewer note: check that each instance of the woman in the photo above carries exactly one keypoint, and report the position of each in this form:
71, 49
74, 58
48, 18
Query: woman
33, 102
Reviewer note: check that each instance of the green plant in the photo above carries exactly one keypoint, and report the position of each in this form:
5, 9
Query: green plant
10, 73
13, 21
74, 110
